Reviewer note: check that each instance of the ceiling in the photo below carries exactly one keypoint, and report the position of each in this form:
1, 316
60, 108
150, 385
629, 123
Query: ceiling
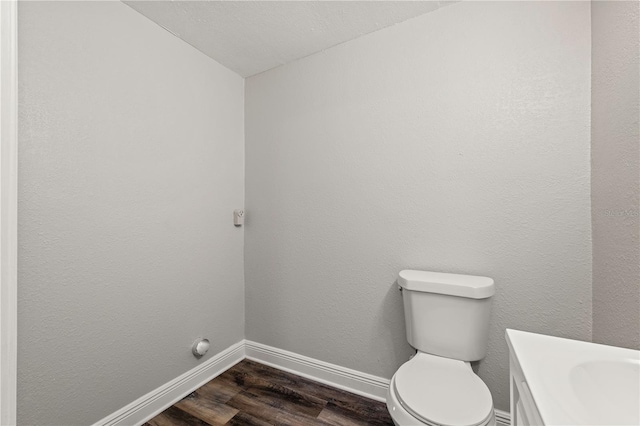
250, 37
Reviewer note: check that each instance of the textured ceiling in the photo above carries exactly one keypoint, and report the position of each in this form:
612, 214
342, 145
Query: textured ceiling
253, 36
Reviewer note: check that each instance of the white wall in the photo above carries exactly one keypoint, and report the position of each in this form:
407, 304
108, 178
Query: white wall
131, 162
457, 141
616, 173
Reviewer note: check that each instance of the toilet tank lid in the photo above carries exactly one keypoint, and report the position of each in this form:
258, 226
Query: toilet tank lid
470, 286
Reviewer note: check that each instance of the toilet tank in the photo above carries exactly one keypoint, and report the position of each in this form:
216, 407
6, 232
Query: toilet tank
447, 314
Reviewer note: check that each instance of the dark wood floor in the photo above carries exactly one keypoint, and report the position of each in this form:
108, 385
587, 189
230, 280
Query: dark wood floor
254, 394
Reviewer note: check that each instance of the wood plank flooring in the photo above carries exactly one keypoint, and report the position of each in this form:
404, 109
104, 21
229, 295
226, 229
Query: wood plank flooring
254, 394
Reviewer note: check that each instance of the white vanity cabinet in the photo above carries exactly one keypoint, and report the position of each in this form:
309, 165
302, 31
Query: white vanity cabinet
523, 408
557, 381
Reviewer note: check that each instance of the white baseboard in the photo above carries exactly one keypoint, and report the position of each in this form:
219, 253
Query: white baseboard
503, 418
158, 400
353, 381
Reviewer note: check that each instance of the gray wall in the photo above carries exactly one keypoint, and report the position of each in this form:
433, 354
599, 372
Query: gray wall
616, 173
131, 162
457, 141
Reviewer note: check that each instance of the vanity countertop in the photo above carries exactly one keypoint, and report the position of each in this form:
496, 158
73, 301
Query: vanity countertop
578, 383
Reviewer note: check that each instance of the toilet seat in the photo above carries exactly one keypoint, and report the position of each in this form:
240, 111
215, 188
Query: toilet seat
443, 392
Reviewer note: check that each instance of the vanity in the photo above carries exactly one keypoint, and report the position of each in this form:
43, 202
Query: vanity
556, 381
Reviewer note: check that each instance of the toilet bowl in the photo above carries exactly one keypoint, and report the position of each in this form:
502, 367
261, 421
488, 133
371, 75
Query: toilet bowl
447, 322
437, 391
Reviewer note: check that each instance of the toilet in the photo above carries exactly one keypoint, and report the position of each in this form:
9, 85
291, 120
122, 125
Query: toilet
447, 321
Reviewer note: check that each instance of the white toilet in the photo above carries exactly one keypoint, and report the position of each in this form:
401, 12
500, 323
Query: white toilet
447, 319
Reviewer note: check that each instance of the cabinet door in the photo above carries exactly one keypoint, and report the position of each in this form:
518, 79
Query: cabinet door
523, 409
